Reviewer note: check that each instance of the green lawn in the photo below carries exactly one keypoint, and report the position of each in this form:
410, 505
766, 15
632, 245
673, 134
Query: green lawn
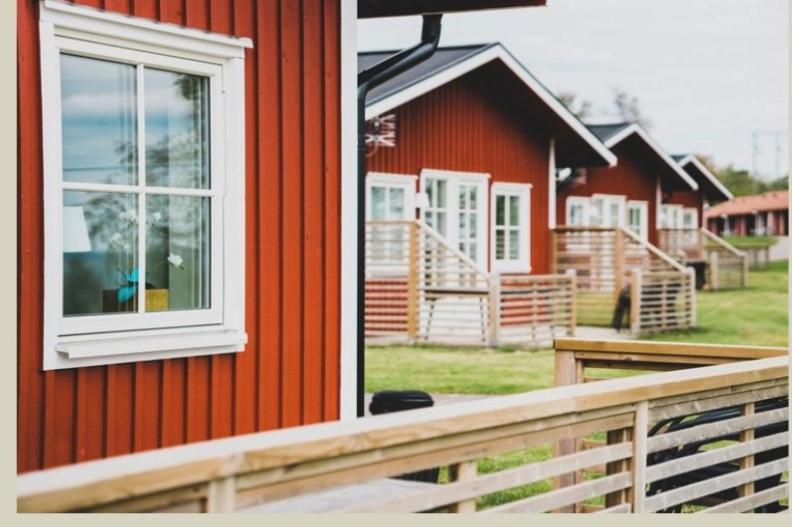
750, 241
754, 315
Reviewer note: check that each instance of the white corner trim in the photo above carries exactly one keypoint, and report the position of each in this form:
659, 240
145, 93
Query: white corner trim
638, 130
691, 159
69, 19
495, 52
551, 187
349, 307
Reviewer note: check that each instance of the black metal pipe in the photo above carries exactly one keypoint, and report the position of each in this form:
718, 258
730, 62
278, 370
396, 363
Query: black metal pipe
368, 79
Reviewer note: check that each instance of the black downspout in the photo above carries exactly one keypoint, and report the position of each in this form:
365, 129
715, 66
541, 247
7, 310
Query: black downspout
368, 79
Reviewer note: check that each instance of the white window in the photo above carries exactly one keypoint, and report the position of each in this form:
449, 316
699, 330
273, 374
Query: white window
607, 210
638, 218
144, 189
391, 197
690, 218
671, 216
577, 211
457, 209
510, 238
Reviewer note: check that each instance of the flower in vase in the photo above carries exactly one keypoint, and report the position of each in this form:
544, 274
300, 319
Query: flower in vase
175, 260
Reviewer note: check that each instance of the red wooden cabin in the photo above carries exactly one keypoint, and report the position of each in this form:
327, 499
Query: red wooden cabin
471, 133
627, 195
186, 255
685, 208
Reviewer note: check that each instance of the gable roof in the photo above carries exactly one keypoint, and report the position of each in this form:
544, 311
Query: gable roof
614, 133
381, 8
713, 189
773, 200
450, 63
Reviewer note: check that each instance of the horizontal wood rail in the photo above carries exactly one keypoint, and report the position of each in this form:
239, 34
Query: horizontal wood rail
726, 266
243, 473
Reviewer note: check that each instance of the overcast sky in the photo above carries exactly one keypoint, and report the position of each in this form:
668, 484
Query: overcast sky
707, 73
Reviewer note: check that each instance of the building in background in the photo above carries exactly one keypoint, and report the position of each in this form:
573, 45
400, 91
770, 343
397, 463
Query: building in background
755, 215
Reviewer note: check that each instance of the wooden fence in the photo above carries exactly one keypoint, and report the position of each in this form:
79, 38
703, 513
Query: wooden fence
610, 262
727, 267
724, 448
251, 473
421, 289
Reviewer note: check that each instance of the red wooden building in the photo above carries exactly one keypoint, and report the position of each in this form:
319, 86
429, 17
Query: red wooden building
186, 253
684, 209
762, 214
627, 195
468, 141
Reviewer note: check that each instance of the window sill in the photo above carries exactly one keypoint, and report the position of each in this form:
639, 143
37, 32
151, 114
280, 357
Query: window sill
115, 348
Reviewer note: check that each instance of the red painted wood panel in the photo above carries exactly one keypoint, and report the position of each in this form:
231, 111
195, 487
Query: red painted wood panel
288, 374
635, 176
467, 125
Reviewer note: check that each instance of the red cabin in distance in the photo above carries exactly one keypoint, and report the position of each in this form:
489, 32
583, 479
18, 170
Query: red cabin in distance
685, 208
475, 133
627, 195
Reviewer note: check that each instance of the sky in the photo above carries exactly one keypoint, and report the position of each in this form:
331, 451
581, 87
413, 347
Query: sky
709, 74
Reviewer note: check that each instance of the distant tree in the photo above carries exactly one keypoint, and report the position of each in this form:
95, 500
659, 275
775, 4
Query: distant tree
575, 104
628, 108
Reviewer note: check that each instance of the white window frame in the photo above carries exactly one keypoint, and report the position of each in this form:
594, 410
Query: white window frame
607, 199
582, 201
405, 182
643, 207
109, 339
523, 262
692, 212
669, 221
453, 179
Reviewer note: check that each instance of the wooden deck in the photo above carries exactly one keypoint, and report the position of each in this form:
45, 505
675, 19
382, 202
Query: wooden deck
252, 473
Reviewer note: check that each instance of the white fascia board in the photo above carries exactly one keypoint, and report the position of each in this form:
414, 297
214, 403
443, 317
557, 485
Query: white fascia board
636, 129
69, 18
693, 160
496, 52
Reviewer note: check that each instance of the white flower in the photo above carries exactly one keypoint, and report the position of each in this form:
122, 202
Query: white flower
175, 260
128, 216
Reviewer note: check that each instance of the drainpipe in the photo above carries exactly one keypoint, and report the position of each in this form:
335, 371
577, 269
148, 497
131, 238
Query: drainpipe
368, 79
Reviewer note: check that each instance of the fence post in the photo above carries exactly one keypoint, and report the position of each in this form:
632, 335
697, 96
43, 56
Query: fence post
618, 263
494, 309
572, 274
221, 495
553, 251
412, 282
748, 461
635, 301
464, 471
692, 278
744, 278
713, 270
638, 463
568, 370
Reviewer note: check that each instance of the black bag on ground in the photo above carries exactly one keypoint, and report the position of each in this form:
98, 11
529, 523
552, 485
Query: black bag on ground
396, 401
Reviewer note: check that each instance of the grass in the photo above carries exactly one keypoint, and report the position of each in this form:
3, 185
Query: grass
750, 241
754, 315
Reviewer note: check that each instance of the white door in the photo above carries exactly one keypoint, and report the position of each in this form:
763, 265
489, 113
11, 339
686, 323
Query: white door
638, 218
607, 210
457, 209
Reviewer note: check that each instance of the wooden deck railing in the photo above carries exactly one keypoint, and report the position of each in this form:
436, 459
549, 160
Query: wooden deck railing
727, 267
421, 289
247, 472
579, 361
607, 261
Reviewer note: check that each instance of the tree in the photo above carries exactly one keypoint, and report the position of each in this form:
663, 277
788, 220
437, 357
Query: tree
577, 105
629, 110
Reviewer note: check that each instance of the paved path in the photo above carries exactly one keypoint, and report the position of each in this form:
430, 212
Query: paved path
600, 333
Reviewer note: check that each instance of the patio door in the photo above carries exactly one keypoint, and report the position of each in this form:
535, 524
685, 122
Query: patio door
457, 209
608, 210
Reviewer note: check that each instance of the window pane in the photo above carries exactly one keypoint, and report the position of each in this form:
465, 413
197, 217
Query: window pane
377, 203
500, 210
473, 225
177, 253
514, 245
440, 226
99, 124
472, 197
514, 210
177, 129
462, 197
500, 241
441, 193
100, 266
396, 204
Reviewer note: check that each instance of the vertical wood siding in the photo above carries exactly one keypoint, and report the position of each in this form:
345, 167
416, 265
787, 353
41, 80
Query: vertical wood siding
288, 374
471, 125
634, 176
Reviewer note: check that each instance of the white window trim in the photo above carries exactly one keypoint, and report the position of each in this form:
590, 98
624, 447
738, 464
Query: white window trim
693, 211
523, 263
665, 218
101, 34
621, 201
454, 178
644, 208
388, 179
577, 200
